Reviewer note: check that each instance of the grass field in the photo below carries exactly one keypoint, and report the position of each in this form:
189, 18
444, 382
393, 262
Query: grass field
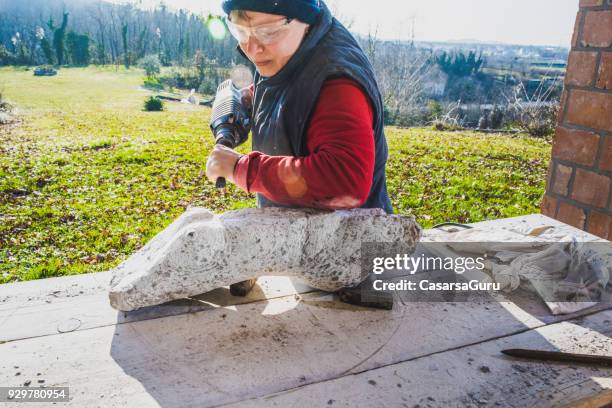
87, 177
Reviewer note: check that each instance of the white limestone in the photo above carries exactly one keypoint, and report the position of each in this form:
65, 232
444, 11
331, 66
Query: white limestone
201, 251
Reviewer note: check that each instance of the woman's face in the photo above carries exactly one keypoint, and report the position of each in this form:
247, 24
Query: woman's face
270, 58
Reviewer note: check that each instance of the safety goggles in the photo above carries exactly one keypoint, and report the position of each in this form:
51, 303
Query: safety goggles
265, 33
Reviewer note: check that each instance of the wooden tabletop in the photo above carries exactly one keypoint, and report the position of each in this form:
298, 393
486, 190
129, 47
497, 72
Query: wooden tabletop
289, 345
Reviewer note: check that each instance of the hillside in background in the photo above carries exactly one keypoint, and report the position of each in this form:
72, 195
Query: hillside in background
460, 84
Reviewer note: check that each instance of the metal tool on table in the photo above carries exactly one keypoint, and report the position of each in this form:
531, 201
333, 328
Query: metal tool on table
375, 300
230, 121
605, 361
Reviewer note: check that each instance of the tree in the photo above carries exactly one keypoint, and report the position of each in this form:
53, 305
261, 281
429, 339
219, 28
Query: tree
100, 53
21, 54
151, 65
141, 47
59, 34
97, 15
187, 48
104, 23
201, 64
458, 64
78, 48
6, 57
159, 43
44, 45
181, 48
126, 51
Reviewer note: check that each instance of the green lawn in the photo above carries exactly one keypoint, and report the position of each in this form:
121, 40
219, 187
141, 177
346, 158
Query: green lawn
87, 177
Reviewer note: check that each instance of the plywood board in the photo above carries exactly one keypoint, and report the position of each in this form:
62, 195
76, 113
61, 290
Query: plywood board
229, 354
474, 376
60, 306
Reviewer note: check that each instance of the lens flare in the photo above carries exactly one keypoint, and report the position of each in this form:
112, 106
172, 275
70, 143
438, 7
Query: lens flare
216, 27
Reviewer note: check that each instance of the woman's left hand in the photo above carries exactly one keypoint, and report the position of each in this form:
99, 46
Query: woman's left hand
221, 163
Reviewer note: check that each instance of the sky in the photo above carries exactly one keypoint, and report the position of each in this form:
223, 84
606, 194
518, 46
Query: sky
531, 22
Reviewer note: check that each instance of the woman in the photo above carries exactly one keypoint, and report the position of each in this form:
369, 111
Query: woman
317, 136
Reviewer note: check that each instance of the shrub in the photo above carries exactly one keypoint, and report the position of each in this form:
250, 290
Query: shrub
5, 118
536, 113
450, 118
182, 79
151, 65
153, 83
468, 89
539, 120
208, 86
100, 144
191, 78
435, 110
154, 104
443, 125
5, 106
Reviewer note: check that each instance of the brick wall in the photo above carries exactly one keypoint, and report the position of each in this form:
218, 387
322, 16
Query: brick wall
579, 186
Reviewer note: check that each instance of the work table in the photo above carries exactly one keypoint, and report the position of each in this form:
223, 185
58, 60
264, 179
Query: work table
286, 344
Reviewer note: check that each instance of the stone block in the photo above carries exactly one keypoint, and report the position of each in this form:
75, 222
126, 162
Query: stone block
201, 251
581, 68
605, 163
604, 77
575, 35
597, 30
549, 206
571, 215
600, 224
577, 146
563, 175
590, 109
591, 188
591, 3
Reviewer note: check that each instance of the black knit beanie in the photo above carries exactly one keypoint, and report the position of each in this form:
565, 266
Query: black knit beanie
304, 10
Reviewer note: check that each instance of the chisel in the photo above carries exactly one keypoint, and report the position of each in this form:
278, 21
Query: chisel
560, 356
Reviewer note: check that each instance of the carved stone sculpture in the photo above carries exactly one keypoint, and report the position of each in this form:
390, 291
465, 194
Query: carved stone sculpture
201, 251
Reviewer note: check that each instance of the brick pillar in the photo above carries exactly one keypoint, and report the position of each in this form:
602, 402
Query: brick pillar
579, 186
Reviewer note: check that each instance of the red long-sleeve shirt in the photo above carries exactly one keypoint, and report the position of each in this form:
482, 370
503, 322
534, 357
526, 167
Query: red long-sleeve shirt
338, 170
